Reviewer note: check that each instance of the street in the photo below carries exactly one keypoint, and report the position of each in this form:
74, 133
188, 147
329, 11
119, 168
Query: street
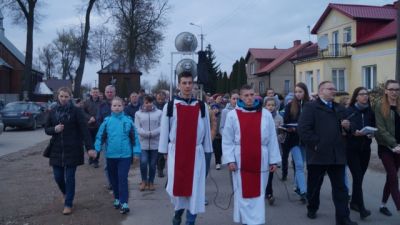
14, 139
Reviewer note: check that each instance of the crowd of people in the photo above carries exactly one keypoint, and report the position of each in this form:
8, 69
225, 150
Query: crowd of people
251, 134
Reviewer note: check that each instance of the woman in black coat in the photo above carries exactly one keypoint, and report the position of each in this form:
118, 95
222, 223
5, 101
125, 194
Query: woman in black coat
358, 145
68, 127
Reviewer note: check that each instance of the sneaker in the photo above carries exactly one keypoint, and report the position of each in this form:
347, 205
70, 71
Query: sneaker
117, 204
124, 208
151, 187
67, 211
218, 166
142, 186
303, 198
271, 199
385, 211
205, 202
160, 173
297, 190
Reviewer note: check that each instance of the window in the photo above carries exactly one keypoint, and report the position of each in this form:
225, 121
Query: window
347, 35
339, 79
287, 86
310, 80
335, 43
261, 87
369, 76
252, 68
318, 77
301, 76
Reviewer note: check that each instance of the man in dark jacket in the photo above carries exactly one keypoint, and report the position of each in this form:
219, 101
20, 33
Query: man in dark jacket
133, 106
320, 127
104, 111
90, 108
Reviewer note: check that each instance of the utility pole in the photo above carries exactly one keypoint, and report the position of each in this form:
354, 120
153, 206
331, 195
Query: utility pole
201, 35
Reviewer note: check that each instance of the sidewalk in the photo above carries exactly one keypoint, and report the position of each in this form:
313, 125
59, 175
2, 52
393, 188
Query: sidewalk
154, 208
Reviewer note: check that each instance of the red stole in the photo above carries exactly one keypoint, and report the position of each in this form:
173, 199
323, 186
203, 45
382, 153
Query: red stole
185, 149
250, 152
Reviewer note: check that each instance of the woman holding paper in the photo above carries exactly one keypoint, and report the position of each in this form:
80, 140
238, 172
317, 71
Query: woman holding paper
387, 115
358, 146
292, 114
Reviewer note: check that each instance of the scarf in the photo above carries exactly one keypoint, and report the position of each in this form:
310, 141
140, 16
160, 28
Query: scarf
360, 106
63, 112
256, 105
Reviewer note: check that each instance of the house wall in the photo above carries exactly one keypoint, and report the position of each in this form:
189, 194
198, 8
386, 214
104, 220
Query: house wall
336, 21
279, 75
382, 54
15, 75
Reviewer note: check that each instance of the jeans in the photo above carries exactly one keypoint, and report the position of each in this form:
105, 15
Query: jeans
268, 190
148, 160
217, 147
160, 161
285, 159
65, 179
299, 157
93, 133
118, 170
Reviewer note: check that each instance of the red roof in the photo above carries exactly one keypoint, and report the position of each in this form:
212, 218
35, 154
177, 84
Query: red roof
264, 53
385, 33
357, 12
289, 53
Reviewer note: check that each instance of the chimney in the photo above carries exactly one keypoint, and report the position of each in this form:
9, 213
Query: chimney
296, 43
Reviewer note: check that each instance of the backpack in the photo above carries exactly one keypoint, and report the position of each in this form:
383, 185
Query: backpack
170, 108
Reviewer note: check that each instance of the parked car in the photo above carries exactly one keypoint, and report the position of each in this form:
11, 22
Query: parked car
1, 125
24, 114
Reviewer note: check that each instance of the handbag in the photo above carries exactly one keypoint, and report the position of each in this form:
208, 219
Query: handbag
47, 150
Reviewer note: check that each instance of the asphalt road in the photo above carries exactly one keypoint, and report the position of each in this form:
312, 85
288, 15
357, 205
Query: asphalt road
13, 140
154, 208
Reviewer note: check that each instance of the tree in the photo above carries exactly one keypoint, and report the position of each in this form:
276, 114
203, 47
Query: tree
139, 26
242, 72
83, 50
161, 84
213, 70
101, 43
225, 81
24, 11
67, 45
234, 76
48, 58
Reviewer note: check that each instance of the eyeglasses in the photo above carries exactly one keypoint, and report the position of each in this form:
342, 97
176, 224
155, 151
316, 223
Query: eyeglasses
393, 89
363, 94
331, 89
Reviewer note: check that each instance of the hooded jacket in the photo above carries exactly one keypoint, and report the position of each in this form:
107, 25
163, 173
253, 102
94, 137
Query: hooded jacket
148, 126
118, 143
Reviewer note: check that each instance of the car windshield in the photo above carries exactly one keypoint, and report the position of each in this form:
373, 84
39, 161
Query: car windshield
17, 106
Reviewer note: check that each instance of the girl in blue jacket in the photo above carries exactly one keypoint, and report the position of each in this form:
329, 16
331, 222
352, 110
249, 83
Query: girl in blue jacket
120, 138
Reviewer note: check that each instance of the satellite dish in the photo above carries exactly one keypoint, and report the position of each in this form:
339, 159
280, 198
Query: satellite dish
188, 66
323, 42
186, 42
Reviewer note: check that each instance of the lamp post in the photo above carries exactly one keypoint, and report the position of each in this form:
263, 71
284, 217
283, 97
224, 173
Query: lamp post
201, 34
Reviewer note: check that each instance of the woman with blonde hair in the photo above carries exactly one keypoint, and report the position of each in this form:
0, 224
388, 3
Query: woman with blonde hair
387, 115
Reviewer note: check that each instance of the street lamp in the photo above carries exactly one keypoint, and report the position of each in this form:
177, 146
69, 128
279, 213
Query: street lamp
201, 34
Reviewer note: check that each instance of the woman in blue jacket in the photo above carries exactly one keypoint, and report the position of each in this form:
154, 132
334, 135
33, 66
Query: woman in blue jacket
121, 141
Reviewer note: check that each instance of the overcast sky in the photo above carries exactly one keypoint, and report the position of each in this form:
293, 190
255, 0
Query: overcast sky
230, 26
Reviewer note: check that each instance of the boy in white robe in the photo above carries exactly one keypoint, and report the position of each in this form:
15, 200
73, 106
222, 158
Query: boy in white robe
185, 136
251, 150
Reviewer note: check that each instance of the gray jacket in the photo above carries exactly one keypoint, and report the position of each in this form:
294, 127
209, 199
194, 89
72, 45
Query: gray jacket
148, 124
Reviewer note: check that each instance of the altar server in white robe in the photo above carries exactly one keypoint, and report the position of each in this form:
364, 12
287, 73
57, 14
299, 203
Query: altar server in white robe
250, 148
185, 137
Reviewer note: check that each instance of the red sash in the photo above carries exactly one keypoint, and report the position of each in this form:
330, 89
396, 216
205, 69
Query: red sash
185, 149
250, 153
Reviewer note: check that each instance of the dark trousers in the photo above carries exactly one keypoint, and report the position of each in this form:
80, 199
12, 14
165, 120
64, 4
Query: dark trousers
65, 179
269, 190
358, 160
339, 191
217, 147
93, 133
285, 159
160, 162
391, 162
118, 170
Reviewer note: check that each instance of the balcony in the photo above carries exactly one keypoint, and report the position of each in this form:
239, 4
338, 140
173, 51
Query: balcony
335, 51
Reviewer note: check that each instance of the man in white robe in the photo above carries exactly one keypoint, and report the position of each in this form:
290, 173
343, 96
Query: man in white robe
250, 148
185, 136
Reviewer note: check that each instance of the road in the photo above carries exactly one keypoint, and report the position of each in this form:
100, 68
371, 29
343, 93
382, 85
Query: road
13, 140
155, 208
